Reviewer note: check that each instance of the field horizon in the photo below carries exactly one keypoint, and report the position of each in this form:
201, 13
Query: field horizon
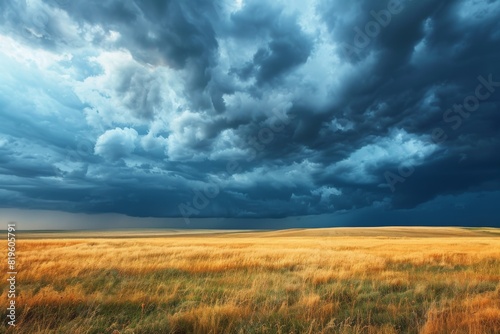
380, 231
330, 280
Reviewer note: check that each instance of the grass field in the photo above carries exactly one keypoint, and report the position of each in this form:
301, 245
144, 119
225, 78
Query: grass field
372, 280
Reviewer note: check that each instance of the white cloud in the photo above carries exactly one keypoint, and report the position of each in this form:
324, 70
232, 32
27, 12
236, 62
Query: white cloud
296, 175
326, 192
151, 143
129, 93
228, 146
116, 144
399, 148
28, 56
188, 135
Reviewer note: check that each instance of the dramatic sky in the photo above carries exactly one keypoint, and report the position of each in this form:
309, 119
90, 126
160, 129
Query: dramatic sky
252, 109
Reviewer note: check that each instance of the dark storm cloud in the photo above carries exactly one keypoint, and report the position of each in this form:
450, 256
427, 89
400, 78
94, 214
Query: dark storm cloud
475, 168
138, 107
425, 61
280, 56
177, 34
288, 45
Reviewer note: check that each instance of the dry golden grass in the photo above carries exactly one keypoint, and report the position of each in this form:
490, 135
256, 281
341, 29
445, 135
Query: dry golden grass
399, 280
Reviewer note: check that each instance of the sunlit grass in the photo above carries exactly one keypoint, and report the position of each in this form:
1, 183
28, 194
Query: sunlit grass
252, 284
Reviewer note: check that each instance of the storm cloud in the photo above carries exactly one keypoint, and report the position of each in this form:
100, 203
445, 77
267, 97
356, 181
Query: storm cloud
249, 109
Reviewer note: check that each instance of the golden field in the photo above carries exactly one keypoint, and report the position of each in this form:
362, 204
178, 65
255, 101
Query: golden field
339, 280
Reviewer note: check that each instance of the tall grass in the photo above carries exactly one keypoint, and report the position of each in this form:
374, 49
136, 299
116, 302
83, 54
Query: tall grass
214, 284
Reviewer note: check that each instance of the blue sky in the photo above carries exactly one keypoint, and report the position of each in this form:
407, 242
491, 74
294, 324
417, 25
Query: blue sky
349, 113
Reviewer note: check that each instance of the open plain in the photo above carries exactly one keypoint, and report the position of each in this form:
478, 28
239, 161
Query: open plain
336, 280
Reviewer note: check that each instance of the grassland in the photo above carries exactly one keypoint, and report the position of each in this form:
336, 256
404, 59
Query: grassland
392, 280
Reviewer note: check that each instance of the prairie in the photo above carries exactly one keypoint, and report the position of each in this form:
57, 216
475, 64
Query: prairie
338, 280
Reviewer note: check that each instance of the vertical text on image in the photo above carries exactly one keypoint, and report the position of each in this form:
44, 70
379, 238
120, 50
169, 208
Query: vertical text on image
11, 273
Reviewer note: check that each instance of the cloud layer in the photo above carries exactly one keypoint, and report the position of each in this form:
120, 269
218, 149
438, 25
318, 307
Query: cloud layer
246, 108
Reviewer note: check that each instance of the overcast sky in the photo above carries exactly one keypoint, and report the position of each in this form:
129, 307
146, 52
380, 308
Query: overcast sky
366, 112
